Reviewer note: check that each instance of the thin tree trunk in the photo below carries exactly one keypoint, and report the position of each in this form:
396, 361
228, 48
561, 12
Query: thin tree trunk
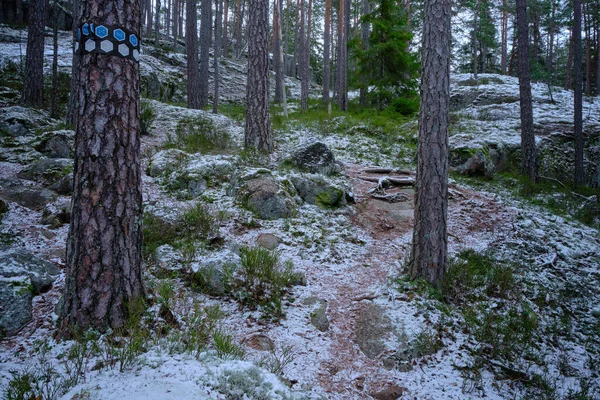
365, 46
258, 122
182, 13
175, 22
277, 53
430, 239
157, 22
475, 27
238, 29
73, 105
33, 83
528, 156
225, 42
217, 53
588, 55
327, 51
204, 57
294, 71
53, 107
304, 54
168, 19
504, 34
150, 20
281, 61
191, 47
578, 95
550, 58
569, 75
598, 67
103, 278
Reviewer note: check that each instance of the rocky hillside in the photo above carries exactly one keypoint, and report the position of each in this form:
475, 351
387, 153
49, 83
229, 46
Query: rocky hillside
326, 311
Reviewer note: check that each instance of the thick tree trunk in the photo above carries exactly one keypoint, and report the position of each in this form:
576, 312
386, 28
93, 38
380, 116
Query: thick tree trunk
528, 156
73, 105
103, 271
258, 122
327, 51
365, 46
191, 48
277, 53
33, 81
578, 95
205, 36
430, 238
217, 53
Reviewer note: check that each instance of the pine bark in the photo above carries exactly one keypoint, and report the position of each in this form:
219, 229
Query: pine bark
528, 154
277, 52
504, 35
237, 34
225, 42
327, 51
53, 105
342, 94
430, 239
103, 271
205, 39
157, 22
569, 74
258, 122
150, 20
578, 94
73, 103
365, 31
175, 22
303, 59
33, 81
191, 48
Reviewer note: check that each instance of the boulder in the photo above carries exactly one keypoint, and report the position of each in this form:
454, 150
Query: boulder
20, 121
30, 196
313, 157
166, 161
267, 198
64, 186
47, 171
372, 328
58, 144
57, 213
211, 273
268, 241
15, 307
167, 261
318, 317
20, 265
314, 189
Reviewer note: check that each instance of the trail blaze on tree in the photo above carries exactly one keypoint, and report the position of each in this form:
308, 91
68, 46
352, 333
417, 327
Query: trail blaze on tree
103, 271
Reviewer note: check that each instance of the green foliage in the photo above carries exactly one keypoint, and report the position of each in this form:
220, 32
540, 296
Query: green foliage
472, 274
226, 347
244, 384
147, 116
200, 135
386, 64
277, 359
197, 330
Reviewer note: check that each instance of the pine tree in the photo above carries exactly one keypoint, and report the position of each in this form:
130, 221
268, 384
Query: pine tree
103, 269
191, 47
204, 57
430, 239
578, 94
33, 83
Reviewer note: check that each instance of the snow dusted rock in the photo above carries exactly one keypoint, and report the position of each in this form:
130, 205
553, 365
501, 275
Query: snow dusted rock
268, 241
210, 168
314, 189
318, 317
57, 213
48, 171
210, 271
30, 196
20, 121
64, 186
313, 157
57, 144
166, 161
15, 307
267, 198
166, 260
371, 329
19, 265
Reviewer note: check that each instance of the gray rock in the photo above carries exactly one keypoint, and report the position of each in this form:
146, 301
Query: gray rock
267, 199
211, 274
20, 265
197, 187
313, 157
64, 186
15, 307
33, 197
371, 329
166, 161
314, 189
21, 121
318, 317
58, 144
57, 213
48, 171
166, 261
268, 241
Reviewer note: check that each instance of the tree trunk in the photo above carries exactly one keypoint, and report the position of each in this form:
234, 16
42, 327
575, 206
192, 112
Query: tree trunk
150, 20
342, 94
157, 22
475, 60
304, 54
430, 239
528, 156
504, 34
588, 55
217, 53
73, 105
238, 29
578, 95
549, 59
258, 122
205, 36
175, 30
191, 48
364, 90
326, 51
168, 18
569, 75
225, 43
33, 81
598, 69
277, 53
103, 270
294, 71
53, 106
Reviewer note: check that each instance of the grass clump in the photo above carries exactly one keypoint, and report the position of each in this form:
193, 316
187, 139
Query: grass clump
147, 116
226, 347
200, 135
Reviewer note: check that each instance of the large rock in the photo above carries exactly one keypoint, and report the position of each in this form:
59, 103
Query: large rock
48, 171
313, 157
15, 307
211, 272
267, 198
166, 161
58, 144
314, 189
371, 329
20, 121
22, 265
57, 213
30, 196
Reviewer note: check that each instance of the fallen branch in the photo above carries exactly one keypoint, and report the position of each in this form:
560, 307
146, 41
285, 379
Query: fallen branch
379, 170
393, 181
391, 198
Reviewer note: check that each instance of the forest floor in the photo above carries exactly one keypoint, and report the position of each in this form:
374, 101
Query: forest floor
517, 316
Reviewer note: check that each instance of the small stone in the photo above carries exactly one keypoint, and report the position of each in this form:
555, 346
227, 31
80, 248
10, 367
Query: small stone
259, 342
391, 393
268, 241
